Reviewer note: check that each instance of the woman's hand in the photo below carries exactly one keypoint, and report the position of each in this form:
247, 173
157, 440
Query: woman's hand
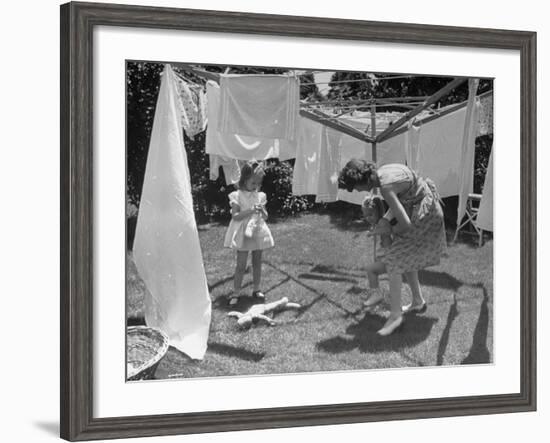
383, 227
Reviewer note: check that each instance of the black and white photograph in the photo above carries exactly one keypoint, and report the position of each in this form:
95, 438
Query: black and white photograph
286, 220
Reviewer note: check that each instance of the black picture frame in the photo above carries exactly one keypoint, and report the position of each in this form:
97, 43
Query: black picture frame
77, 23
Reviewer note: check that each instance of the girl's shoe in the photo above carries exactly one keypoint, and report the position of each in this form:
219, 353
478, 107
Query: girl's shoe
375, 298
258, 295
391, 327
415, 309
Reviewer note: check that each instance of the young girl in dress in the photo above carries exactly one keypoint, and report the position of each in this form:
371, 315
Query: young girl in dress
373, 212
248, 231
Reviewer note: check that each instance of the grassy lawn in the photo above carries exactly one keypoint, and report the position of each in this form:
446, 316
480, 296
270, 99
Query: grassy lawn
319, 262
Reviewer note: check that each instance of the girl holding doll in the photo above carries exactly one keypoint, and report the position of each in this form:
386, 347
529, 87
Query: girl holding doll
248, 232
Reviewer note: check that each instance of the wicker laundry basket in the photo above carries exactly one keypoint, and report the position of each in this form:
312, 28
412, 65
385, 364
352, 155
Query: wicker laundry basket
145, 348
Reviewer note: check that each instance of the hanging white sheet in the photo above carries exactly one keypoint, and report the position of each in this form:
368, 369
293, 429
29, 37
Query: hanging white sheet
236, 146
263, 105
466, 169
485, 214
166, 251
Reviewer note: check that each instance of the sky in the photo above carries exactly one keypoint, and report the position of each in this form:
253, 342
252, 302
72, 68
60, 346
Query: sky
323, 77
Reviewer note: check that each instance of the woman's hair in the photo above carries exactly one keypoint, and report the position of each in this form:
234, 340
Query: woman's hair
248, 170
356, 172
376, 203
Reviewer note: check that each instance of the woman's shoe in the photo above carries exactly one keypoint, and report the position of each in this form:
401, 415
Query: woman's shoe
415, 309
375, 298
392, 327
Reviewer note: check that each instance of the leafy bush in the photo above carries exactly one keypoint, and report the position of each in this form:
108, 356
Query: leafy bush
483, 151
278, 188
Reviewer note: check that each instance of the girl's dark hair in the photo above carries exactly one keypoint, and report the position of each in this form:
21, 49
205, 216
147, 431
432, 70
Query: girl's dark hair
247, 171
356, 172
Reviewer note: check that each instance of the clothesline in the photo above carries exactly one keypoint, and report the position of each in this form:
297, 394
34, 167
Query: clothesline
359, 80
368, 101
322, 117
364, 107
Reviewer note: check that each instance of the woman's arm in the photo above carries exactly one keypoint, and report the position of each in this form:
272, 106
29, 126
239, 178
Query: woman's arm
397, 209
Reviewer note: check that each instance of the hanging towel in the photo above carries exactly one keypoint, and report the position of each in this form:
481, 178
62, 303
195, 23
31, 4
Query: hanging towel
192, 107
305, 176
485, 214
166, 251
329, 165
317, 161
231, 169
240, 147
466, 170
264, 106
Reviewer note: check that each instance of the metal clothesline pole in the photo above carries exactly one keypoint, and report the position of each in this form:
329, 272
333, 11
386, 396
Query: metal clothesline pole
374, 155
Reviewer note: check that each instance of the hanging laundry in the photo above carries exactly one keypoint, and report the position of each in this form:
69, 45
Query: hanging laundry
439, 151
192, 107
240, 147
466, 168
166, 249
389, 151
231, 169
264, 106
485, 213
329, 165
412, 145
305, 177
392, 150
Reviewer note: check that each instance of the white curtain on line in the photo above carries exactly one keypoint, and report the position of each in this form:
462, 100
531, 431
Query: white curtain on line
166, 251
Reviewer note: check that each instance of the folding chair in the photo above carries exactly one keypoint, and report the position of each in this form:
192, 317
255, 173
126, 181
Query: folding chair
472, 209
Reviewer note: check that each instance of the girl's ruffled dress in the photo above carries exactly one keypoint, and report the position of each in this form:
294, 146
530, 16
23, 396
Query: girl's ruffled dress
235, 236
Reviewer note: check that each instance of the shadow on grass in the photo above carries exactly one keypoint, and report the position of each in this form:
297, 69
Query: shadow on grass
479, 353
415, 329
320, 295
324, 269
233, 351
441, 280
176, 364
444, 341
308, 276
